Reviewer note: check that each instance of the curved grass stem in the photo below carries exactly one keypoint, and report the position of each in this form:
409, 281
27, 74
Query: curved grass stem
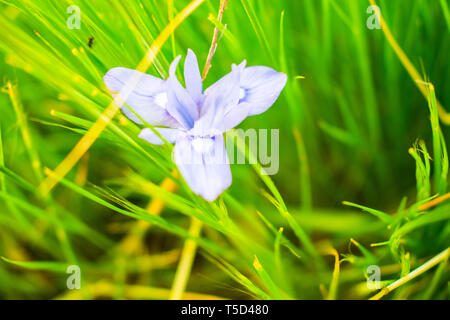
413, 274
186, 261
443, 114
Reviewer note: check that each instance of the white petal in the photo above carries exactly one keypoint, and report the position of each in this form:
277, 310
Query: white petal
180, 105
208, 172
221, 97
193, 78
146, 99
262, 86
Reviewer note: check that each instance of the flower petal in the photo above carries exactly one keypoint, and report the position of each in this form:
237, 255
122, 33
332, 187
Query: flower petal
180, 104
234, 116
260, 88
148, 99
193, 78
167, 133
225, 77
221, 97
206, 170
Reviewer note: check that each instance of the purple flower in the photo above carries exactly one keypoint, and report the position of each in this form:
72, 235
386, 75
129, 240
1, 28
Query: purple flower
195, 120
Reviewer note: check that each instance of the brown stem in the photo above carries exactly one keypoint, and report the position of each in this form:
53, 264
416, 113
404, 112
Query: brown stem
215, 40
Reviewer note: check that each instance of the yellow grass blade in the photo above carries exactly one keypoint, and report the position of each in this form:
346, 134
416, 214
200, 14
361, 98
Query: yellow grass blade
185, 264
12, 91
434, 202
331, 294
413, 274
105, 288
97, 128
132, 243
415, 75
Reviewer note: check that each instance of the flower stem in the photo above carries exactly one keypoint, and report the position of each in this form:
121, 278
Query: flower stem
215, 40
190, 246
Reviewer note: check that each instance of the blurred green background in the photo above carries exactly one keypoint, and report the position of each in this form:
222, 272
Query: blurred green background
348, 117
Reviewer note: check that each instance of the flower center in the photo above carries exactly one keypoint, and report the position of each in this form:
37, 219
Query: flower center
242, 93
202, 144
161, 100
